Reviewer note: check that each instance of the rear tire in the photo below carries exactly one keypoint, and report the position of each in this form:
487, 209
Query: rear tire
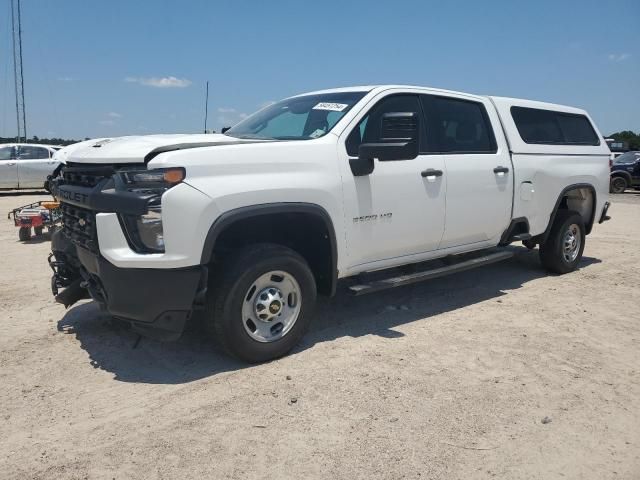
24, 234
562, 251
260, 302
618, 185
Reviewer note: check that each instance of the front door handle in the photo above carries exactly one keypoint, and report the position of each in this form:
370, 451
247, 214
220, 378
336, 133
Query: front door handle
501, 170
11, 164
430, 172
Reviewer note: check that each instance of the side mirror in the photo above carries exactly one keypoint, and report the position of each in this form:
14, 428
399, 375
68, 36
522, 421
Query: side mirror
224, 129
399, 138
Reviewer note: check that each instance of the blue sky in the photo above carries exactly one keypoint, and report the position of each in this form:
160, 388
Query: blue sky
105, 68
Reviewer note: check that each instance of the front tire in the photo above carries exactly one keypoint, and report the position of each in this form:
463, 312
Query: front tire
562, 251
261, 302
618, 185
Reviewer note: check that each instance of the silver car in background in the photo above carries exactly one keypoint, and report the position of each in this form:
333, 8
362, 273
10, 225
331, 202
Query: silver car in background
25, 165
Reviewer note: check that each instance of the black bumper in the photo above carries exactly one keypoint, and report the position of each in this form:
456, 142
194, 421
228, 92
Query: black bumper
157, 302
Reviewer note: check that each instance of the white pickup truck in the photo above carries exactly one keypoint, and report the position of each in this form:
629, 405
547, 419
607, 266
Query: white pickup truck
245, 228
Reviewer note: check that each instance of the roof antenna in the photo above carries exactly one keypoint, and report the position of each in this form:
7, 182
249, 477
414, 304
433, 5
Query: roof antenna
206, 107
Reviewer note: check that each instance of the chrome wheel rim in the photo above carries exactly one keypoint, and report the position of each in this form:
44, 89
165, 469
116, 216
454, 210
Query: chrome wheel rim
271, 306
571, 243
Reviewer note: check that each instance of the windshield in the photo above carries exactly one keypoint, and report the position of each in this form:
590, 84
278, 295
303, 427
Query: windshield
629, 157
297, 118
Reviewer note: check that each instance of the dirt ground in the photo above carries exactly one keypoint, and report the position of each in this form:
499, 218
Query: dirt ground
449, 379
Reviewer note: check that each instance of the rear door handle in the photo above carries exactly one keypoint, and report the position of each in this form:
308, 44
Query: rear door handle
500, 170
430, 172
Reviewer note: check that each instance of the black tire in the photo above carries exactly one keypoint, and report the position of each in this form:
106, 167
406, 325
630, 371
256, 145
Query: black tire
552, 253
24, 234
229, 287
618, 185
37, 231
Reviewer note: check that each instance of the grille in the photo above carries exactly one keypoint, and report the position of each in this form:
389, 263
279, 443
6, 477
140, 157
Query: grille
86, 176
80, 226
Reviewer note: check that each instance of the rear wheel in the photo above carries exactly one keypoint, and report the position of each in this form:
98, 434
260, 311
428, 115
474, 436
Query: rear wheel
260, 305
562, 251
618, 185
24, 234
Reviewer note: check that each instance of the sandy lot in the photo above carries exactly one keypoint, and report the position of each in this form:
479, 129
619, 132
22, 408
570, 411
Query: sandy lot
448, 379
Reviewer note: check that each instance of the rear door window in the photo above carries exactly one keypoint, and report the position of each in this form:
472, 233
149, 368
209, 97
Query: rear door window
32, 153
457, 126
553, 128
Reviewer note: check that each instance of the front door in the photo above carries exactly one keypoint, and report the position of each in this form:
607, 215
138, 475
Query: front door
479, 173
34, 164
396, 211
8, 168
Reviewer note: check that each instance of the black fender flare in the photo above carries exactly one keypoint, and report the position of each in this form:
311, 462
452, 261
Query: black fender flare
621, 173
242, 213
588, 224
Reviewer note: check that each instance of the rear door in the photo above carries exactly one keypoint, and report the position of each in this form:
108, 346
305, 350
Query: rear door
34, 164
478, 167
8, 167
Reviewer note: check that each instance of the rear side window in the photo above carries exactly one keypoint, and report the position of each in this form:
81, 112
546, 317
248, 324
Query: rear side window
457, 126
32, 153
553, 128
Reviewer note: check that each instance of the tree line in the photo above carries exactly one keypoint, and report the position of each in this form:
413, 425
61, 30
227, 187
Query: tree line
43, 141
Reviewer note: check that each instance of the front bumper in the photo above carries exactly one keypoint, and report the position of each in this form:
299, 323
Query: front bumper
157, 302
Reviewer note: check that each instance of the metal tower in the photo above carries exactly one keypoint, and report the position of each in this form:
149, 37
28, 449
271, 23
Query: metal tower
16, 29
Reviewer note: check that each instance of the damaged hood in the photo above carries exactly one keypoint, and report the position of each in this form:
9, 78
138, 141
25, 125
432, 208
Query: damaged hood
139, 149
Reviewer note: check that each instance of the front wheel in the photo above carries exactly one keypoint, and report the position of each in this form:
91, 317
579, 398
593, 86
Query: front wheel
618, 185
261, 302
562, 250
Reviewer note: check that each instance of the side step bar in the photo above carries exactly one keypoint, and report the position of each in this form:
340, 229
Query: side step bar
460, 266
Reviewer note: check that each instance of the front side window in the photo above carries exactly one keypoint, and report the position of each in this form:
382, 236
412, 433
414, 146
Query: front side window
32, 153
299, 118
457, 126
553, 128
6, 153
369, 129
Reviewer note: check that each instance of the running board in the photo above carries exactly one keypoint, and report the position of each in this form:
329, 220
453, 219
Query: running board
400, 280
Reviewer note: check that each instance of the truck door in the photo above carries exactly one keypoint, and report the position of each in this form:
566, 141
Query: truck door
8, 168
34, 164
478, 170
395, 211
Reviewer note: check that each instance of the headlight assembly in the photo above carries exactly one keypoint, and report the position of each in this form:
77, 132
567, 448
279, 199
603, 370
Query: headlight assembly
144, 232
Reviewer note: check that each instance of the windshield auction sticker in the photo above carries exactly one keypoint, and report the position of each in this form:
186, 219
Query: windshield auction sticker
334, 107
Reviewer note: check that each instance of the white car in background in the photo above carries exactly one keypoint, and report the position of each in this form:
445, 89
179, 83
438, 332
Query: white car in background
25, 165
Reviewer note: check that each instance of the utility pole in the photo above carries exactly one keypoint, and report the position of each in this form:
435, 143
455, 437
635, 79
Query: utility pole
16, 29
206, 107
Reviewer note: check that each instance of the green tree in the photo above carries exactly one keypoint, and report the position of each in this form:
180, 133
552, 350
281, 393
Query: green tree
633, 139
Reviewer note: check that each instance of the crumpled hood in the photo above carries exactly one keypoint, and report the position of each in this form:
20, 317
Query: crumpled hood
134, 149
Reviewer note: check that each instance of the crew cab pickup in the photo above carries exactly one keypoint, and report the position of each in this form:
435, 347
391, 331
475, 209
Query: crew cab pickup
244, 229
